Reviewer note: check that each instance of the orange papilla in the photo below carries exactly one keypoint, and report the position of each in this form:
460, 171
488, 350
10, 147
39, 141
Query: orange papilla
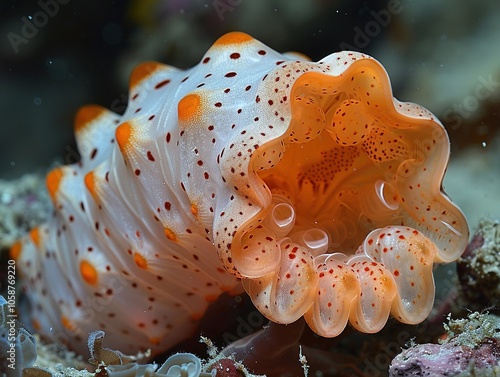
194, 209
66, 322
123, 134
88, 272
86, 114
211, 298
140, 261
154, 340
35, 236
197, 316
170, 234
89, 181
53, 181
15, 250
143, 71
188, 106
235, 37
36, 324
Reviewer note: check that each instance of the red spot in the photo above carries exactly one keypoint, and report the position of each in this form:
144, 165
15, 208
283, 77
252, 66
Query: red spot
150, 156
401, 237
370, 241
161, 84
291, 256
396, 273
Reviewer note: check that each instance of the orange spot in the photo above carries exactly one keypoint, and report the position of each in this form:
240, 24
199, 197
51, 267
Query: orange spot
235, 37
140, 261
15, 250
194, 209
35, 236
67, 323
36, 325
122, 134
88, 272
196, 316
170, 234
210, 298
53, 181
90, 184
188, 106
86, 115
143, 71
154, 341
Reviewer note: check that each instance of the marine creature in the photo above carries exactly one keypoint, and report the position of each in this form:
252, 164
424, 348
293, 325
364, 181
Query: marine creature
305, 183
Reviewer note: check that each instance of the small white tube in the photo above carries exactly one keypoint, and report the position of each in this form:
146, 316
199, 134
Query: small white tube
315, 239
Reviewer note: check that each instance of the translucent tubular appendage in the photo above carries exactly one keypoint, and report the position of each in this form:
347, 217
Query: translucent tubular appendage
315, 239
280, 219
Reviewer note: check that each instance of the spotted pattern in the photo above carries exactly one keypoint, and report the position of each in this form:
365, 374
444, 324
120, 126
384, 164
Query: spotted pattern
173, 202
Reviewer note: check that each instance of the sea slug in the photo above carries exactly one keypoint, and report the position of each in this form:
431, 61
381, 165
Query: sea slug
305, 183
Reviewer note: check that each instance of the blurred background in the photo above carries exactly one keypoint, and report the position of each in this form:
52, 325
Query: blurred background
56, 55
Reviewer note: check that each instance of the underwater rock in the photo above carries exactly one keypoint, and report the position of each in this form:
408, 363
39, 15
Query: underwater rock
472, 348
479, 266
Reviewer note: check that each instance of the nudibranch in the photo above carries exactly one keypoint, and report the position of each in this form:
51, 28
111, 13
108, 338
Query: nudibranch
305, 183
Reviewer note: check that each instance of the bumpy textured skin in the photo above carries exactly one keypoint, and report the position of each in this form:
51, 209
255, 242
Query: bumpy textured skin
307, 181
